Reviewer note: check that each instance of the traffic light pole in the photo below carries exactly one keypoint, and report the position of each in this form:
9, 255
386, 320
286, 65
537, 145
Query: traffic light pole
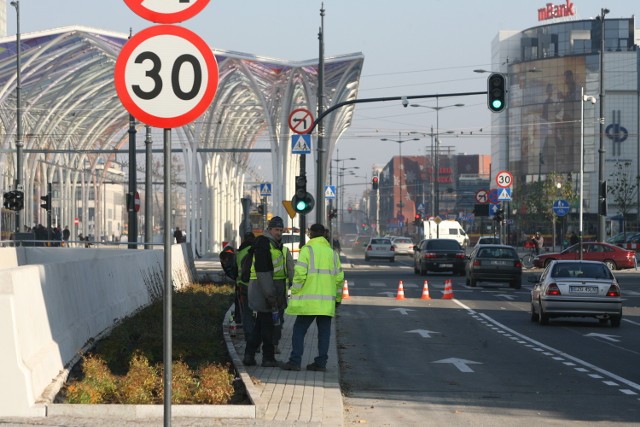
303, 217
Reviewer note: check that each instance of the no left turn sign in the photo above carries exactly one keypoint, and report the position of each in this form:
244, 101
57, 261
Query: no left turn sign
166, 11
300, 121
166, 76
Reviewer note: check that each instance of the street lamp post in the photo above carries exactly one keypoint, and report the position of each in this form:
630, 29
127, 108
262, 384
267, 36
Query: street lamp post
435, 207
338, 160
400, 172
19, 143
601, 151
592, 99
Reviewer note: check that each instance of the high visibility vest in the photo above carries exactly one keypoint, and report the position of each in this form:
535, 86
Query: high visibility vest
317, 280
239, 257
279, 261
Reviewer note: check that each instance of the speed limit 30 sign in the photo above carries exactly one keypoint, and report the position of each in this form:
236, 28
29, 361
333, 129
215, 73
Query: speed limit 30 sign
504, 179
166, 76
166, 11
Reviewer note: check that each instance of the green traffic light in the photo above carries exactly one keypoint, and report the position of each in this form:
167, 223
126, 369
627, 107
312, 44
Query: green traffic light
301, 205
496, 104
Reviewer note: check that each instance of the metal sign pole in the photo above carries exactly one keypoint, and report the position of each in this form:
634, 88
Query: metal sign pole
168, 285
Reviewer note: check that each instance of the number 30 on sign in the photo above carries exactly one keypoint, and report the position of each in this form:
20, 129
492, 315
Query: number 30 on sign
166, 76
504, 179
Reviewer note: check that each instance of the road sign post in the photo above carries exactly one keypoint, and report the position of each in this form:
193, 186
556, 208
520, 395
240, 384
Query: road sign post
166, 76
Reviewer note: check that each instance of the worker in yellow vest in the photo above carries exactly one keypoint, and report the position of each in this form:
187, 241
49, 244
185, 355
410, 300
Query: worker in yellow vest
315, 293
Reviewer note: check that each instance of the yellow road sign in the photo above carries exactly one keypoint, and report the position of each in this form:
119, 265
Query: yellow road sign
289, 207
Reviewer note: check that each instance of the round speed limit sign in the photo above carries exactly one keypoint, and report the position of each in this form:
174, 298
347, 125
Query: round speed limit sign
166, 76
504, 179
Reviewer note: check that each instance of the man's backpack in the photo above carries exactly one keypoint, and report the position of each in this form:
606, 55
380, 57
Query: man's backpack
245, 266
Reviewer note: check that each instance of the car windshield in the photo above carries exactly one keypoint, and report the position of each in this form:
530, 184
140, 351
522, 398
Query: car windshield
594, 271
380, 241
443, 245
405, 241
497, 253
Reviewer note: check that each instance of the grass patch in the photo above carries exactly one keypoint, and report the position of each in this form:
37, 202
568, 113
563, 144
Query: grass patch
127, 366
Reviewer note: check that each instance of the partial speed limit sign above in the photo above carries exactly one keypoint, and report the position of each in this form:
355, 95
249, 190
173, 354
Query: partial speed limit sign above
166, 11
504, 179
166, 76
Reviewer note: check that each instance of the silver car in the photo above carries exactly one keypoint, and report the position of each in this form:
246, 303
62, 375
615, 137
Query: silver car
576, 289
379, 247
403, 245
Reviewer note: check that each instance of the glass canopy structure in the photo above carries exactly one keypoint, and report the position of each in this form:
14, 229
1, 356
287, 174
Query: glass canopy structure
76, 131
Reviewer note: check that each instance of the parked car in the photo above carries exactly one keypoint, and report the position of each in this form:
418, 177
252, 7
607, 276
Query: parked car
359, 243
380, 247
488, 240
499, 263
438, 255
576, 289
403, 245
615, 257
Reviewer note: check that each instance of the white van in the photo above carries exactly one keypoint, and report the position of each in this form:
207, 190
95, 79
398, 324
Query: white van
292, 242
447, 229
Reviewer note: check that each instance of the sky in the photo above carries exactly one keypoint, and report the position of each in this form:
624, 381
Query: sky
411, 47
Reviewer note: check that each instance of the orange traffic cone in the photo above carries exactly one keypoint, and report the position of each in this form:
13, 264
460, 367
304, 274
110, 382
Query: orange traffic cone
448, 290
425, 291
400, 291
345, 290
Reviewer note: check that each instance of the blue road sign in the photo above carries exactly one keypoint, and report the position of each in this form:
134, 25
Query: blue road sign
561, 207
329, 191
301, 144
265, 189
493, 196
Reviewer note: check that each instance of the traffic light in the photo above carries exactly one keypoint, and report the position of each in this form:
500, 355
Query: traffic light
8, 200
496, 92
602, 199
18, 200
499, 216
374, 182
333, 213
47, 202
261, 209
302, 200
417, 219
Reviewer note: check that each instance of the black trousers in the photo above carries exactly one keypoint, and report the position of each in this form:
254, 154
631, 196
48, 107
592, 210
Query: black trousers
262, 333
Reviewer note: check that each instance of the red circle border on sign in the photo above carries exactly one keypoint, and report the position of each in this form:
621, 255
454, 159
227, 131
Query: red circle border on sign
165, 18
130, 104
294, 128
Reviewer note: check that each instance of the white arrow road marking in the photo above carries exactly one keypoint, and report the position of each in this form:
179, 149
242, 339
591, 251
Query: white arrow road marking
461, 364
404, 311
389, 294
507, 296
424, 333
611, 338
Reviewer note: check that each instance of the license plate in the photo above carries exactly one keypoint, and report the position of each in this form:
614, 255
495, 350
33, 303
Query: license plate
583, 289
446, 265
499, 262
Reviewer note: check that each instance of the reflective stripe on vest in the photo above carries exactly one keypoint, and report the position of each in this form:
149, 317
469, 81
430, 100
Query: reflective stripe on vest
278, 259
313, 270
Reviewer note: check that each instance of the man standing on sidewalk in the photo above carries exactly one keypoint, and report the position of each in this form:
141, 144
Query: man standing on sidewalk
269, 275
315, 293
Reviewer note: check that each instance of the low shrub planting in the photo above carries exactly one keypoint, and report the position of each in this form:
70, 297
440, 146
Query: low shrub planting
127, 366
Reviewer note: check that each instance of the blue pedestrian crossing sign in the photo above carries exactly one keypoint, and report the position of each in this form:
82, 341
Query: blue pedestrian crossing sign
329, 191
504, 193
265, 189
561, 207
301, 144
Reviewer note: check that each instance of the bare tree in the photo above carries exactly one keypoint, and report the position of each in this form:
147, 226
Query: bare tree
623, 189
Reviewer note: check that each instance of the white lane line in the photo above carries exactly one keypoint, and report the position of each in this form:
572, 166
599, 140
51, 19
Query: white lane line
536, 345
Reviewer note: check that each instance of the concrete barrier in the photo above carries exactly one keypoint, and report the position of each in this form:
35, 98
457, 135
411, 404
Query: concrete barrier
54, 302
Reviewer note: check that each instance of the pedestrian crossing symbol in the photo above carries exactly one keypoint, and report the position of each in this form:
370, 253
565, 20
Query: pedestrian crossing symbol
504, 194
301, 144
265, 189
330, 192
